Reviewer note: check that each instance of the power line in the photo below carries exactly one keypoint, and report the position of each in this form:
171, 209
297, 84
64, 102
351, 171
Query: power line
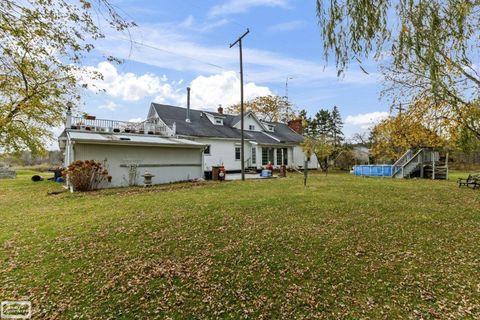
174, 53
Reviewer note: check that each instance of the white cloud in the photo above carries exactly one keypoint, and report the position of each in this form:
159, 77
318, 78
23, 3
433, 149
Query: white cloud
287, 26
140, 119
209, 92
241, 6
128, 86
366, 120
168, 47
191, 24
110, 105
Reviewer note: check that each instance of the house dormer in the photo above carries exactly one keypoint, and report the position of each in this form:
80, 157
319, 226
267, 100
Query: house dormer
216, 119
251, 123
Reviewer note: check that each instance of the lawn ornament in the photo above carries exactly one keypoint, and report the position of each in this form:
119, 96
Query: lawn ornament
221, 173
147, 179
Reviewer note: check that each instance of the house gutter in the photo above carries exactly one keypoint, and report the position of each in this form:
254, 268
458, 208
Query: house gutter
144, 144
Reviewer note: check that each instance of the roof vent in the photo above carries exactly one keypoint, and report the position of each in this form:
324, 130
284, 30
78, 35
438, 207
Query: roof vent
188, 105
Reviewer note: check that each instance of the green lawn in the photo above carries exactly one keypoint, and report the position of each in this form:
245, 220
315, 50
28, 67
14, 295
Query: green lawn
345, 247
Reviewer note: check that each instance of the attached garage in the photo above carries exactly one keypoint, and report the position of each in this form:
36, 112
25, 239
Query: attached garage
127, 156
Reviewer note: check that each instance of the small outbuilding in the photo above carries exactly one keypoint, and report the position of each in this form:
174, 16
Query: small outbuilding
128, 150
6, 172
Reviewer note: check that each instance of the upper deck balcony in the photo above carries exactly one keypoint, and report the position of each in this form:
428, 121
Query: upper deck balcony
115, 126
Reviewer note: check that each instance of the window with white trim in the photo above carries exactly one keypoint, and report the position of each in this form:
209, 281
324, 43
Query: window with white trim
237, 153
206, 151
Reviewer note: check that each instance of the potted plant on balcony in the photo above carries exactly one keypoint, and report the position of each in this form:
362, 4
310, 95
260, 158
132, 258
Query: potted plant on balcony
89, 117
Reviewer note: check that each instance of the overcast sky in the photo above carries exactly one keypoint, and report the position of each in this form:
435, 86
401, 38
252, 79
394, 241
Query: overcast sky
186, 43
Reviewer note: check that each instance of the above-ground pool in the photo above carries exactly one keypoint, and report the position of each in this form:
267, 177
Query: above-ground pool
373, 170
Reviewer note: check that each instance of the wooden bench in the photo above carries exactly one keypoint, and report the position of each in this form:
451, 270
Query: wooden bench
473, 180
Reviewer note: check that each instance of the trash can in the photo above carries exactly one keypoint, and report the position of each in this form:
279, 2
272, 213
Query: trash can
283, 171
215, 172
208, 175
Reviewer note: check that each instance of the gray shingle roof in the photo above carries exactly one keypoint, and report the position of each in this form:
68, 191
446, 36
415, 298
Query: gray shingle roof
200, 126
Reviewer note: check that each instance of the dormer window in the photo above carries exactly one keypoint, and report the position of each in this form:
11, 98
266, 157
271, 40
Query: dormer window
219, 121
270, 127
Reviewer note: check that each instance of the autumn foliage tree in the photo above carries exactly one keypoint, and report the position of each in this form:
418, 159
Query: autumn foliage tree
393, 136
268, 108
42, 45
322, 147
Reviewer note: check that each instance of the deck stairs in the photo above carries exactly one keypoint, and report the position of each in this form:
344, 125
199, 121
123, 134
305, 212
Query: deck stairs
251, 170
422, 163
407, 164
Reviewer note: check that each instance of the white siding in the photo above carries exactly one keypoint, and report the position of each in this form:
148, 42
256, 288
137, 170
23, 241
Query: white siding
126, 163
299, 158
249, 120
223, 152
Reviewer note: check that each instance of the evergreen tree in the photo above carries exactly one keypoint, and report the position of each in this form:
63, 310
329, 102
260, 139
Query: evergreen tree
336, 125
324, 136
321, 122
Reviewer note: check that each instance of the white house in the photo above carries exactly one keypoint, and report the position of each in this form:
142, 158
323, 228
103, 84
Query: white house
128, 150
265, 142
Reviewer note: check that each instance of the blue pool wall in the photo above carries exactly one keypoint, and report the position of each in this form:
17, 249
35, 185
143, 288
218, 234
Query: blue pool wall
373, 170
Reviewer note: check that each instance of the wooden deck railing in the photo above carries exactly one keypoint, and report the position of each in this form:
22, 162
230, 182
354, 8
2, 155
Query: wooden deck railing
115, 126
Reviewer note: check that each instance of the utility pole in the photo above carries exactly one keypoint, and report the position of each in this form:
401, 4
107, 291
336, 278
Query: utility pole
242, 148
400, 109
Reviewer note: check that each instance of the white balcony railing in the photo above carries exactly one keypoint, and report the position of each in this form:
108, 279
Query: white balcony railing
114, 126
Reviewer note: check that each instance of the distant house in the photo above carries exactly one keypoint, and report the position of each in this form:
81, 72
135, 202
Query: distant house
361, 154
6, 172
265, 142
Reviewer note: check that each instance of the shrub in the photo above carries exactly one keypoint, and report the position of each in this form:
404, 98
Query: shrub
86, 175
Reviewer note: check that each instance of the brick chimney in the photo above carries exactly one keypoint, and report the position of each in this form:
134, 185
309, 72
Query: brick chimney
220, 109
296, 125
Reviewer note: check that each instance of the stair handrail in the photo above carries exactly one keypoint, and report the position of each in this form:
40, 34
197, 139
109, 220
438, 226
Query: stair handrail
414, 157
405, 155
397, 166
247, 161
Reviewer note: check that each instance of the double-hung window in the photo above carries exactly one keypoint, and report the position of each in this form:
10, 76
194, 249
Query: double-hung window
237, 153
